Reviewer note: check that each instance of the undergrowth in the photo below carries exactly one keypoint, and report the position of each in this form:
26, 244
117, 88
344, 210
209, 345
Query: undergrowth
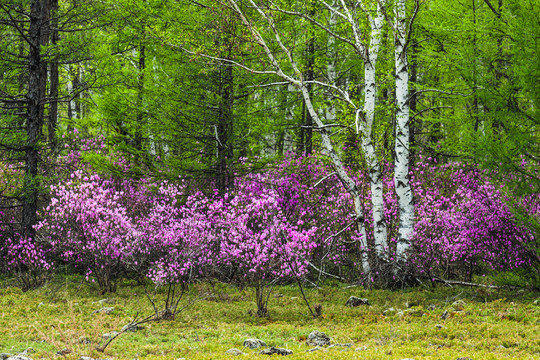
481, 323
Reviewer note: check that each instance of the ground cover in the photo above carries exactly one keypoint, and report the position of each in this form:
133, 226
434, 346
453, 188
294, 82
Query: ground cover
420, 323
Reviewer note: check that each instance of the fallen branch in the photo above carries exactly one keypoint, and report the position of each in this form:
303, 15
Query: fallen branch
464, 283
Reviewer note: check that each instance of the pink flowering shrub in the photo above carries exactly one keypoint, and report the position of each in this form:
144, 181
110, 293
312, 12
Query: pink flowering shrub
89, 223
464, 223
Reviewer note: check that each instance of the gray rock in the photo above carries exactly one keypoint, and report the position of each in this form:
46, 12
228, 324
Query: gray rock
63, 352
274, 350
317, 338
30, 350
18, 357
439, 326
84, 340
132, 328
347, 345
431, 307
4, 356
109, 301
254, 343
313, 349
86, 358
361, 348
445, 315
464, 358
109, 335
234, 352
105, 310
356, 301
389, 311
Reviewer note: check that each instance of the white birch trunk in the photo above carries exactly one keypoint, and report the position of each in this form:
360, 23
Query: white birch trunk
288, 138
401, 169
331, 68
365, 128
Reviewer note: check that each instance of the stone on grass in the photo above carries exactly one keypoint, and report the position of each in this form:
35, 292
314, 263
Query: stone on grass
361, 348
254, 343
109, 301
313, 349
132, 328
18, 357
317, 338
106, 310
107, 336
354, 301
234, 352
4, 356
347, 345
464, 358
445, 315
275, 350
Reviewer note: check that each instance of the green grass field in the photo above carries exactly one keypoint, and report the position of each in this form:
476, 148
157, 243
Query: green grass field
485, 324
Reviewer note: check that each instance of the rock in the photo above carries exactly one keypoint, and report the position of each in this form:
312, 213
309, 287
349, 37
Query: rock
445, 315
105, 310
536, 302
109, 301
278, 296
86, 358
4, 356
274, 350
30, 350
254, 343
84, 340
459, 302
439, 326
501, 347
109, 335
347, 345
18, 357
63, 352
431, 307
234, 352
389, 311
361, 348
313, 349
356, 301
317, 338
132, 328
464, 358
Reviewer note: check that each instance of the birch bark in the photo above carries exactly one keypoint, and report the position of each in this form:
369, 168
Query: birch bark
365, 129
401, 167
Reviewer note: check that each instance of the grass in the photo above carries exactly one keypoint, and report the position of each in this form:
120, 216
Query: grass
491, 324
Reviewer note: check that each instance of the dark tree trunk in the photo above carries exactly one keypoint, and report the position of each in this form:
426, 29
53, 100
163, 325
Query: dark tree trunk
34, 121
54, 77
140, 113
224, 129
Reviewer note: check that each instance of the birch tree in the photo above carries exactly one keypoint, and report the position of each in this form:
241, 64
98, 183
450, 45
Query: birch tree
283, 64
402, 30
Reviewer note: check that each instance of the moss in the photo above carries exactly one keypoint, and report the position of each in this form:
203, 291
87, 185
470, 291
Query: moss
492, 325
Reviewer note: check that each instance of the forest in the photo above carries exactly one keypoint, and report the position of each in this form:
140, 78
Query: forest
174, 144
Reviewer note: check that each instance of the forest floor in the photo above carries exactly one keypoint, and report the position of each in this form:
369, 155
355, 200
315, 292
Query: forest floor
419, 323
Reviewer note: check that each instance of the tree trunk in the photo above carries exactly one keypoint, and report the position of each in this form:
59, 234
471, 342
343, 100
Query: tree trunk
401, 167
224, 128
365, 129
34, 121
54, 80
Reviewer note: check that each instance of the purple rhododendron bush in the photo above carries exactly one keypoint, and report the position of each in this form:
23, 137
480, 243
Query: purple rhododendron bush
283, 224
